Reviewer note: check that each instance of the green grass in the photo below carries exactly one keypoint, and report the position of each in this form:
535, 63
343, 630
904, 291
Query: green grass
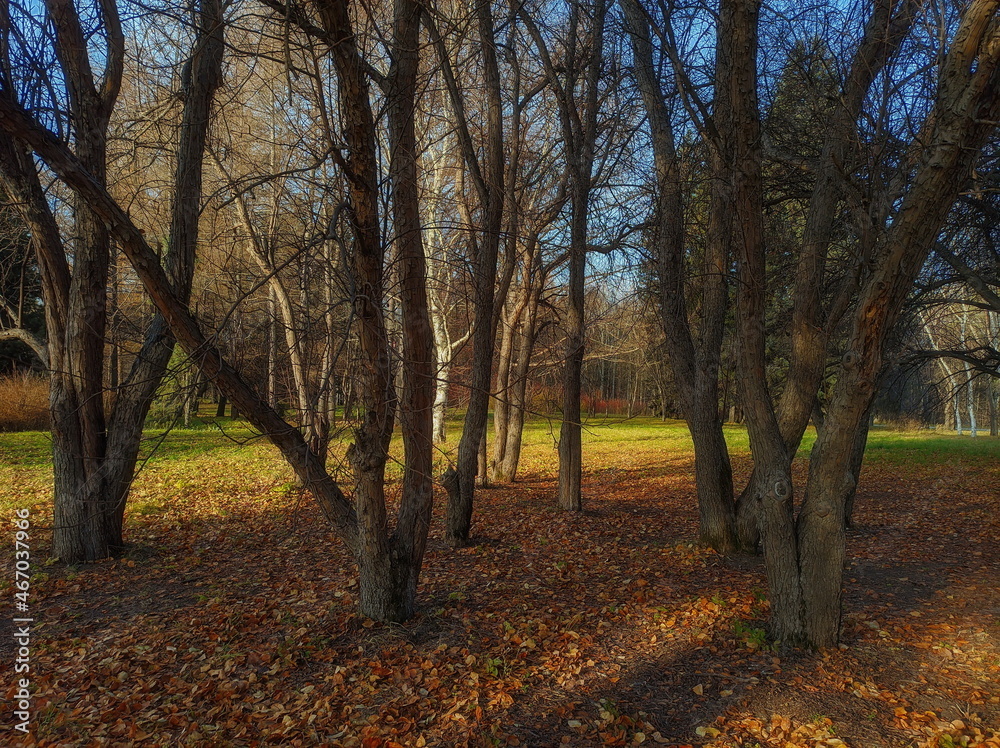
929, 447
233, 458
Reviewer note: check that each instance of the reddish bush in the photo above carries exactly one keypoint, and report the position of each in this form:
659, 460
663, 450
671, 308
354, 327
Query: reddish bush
24, 403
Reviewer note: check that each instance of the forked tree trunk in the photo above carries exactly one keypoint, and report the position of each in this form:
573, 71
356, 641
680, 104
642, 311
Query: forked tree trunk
694, 355
966, 109
812, 325
771, 484
505, 365
505, 471
93, 456
83, 527
576, 90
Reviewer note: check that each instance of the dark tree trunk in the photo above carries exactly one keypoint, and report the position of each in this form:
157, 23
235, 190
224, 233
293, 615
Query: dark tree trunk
94, 455
694, 356
965, 111
994, 408
713, 480
83, 526
579, 126
400, 568
570, 432
856, 462
488, 179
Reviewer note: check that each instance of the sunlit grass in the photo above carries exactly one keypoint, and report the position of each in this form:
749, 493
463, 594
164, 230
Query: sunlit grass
230, 456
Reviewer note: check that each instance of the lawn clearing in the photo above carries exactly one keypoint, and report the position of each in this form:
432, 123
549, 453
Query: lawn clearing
231, 620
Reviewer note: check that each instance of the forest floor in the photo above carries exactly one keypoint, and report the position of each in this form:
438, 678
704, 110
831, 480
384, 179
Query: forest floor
231, 620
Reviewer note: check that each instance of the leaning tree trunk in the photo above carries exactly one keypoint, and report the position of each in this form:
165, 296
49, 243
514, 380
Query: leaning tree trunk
856, 462
964, 117
994, 394
199, 84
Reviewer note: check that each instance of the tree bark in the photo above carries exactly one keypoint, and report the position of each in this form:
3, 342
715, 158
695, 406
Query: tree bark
570, 430
402, 565
488, 179
94, 455
505, 471
857, 460
694, 359
578, 120
966, 109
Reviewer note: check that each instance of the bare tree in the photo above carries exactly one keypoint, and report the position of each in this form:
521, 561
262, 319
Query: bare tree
694, 354
389, 558
487, 177
963, 117
94, 454
575, 79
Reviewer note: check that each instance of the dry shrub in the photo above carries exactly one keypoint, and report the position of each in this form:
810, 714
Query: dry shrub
24, 403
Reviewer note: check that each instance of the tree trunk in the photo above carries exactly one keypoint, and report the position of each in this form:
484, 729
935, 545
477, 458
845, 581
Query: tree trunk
507, 470
579, 124
502, 402
694, 358
994, 405
94, 455
965, 111
482, 467
570, 432
272, 349
441, 402
713, 480
993, 392
489, 182
387, 586
857, 460
83, 528
400, 568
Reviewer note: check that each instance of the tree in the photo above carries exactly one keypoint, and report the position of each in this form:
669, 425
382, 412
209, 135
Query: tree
389, 559
963, 117
94, 453
487, 177
575, 79
521, 325
694, 354
804, 590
